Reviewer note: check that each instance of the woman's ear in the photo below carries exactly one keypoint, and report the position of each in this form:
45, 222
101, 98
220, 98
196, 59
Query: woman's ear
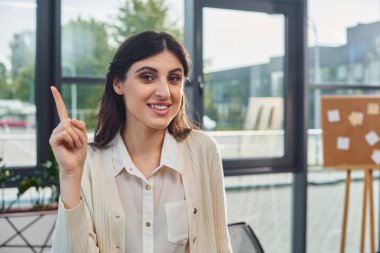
118, 87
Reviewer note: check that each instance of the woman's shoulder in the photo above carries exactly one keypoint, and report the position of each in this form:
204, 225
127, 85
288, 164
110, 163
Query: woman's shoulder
199, 137
93, 150
199, 134
202, 149
95, 155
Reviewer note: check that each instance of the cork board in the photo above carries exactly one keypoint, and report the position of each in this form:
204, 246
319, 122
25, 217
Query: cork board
351, 131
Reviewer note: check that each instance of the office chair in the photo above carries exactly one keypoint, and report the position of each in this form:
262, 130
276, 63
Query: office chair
243, 239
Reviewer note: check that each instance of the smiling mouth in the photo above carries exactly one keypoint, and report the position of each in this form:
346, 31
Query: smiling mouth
159, 107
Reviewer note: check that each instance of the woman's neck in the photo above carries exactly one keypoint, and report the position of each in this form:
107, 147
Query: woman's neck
140, 142
144, 147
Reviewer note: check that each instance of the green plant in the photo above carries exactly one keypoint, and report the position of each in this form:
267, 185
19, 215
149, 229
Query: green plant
46, 176
6, 176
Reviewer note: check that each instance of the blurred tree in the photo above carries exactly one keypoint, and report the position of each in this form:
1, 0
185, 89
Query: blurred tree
86, 52
22, 46
5, 90
23, 84
140, 15
85, 48
23, 50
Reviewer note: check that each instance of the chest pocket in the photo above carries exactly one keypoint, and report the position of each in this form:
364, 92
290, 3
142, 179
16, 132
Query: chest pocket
177, 224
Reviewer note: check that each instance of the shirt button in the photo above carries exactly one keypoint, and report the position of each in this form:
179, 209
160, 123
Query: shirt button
117, 247
195, 211
147, 224
147, 187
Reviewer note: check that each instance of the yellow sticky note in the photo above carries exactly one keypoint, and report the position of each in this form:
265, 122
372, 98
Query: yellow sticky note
373, 109
356, 118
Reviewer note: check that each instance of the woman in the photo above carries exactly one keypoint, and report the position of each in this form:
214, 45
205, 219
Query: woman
150, 181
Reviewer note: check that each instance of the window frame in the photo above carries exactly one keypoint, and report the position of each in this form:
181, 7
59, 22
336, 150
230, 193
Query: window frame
193, 41
296, 104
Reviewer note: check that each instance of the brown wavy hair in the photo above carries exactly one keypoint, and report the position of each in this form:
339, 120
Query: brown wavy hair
112, 115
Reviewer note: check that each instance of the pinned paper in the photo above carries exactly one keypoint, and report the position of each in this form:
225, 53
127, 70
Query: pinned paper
372, 138
356, 118
333, 116
376, 156
373, 109
343, 143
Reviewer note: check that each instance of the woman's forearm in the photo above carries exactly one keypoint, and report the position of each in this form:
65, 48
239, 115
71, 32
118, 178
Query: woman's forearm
70, 189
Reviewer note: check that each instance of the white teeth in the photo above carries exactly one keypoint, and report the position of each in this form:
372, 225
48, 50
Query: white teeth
159, 107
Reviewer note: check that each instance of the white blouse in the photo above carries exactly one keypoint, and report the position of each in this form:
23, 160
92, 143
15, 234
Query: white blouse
155, 207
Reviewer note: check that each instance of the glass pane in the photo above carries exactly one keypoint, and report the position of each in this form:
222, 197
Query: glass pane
17, 82
92, 30
344, 49
326, 191
81, 101
244, 82
265, 203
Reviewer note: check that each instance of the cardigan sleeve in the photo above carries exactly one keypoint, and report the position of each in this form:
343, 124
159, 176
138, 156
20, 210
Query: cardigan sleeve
74, 229
219, 201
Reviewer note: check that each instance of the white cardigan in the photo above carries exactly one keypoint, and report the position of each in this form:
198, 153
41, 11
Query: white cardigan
97, 224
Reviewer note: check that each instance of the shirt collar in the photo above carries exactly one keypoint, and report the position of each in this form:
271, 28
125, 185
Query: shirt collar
170, 155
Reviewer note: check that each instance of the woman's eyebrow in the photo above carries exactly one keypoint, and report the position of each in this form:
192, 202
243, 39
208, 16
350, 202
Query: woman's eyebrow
175, 70
146, 68
156, 71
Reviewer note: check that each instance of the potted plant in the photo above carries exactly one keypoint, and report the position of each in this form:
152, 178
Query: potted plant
6, 176
45, 177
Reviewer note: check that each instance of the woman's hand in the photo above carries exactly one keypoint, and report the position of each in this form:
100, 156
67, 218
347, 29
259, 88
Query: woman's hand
69, 144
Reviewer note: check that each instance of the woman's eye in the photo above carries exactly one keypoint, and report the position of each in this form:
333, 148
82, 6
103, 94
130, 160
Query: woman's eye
147, 77
175, 78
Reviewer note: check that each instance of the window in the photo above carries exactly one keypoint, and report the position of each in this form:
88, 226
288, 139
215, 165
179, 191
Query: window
243, 98
91, 33
358, 72
245, 88
342, 73
17, 83
265, 203
243, 79
344, 51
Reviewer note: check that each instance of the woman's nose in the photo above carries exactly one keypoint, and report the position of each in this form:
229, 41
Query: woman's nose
162, 89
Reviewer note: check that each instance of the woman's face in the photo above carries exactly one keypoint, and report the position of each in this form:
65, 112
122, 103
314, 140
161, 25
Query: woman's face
152, 91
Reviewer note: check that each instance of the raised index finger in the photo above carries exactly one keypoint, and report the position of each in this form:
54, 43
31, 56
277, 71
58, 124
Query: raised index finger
61, 108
